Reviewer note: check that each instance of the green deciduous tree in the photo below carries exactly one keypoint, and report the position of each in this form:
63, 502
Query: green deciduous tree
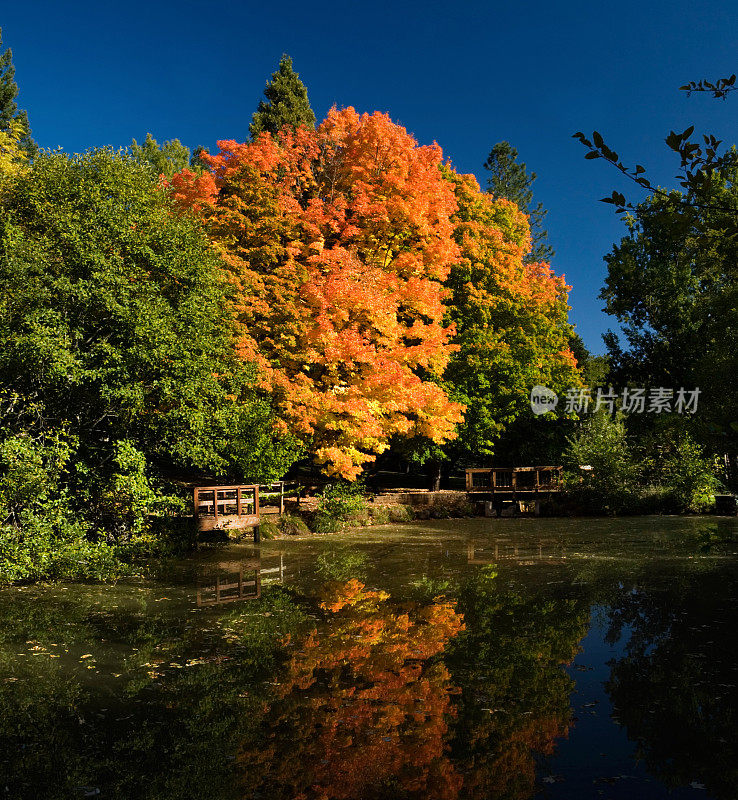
511, 319
112, 332
672, 281
510, 179
286, 102
171, 157
672, 284
594, 368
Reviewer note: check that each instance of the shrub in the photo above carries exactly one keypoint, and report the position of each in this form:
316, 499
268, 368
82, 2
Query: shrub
609, 484
401, 513
688, 474
451, 507
49, 548
293, 525
128, 499
40, 537
338, 504
268, 529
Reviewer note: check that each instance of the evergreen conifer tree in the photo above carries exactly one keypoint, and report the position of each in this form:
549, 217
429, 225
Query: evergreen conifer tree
9, 112
510, 179
286, 102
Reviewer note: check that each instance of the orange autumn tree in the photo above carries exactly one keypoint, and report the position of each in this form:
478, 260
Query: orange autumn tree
338, 242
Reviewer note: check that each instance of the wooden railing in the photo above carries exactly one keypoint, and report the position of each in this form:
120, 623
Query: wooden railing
222, 507
273, 495
514, 480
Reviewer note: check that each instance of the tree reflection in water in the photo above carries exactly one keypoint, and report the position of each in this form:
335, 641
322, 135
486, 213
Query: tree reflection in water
515, 697
368, 708
460, 693
676, 687
363, 707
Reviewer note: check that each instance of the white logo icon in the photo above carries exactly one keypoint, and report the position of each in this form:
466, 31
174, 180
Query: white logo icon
542, 399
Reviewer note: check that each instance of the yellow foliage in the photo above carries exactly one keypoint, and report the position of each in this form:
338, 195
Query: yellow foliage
13, 159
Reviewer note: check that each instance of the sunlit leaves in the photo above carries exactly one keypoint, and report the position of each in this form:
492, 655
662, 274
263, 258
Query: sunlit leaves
338, 241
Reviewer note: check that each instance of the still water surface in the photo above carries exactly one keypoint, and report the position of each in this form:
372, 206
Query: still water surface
450, 659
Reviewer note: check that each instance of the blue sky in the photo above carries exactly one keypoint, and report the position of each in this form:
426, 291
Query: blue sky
466, 75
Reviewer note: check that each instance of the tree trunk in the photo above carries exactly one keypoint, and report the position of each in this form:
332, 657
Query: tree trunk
434, 476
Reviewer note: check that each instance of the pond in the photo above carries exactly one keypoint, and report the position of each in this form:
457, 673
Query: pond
482, 658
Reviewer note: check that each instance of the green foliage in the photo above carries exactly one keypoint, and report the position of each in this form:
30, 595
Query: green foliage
286, 103
111, 319
269, 529
609, 484
29, 474
117, 360
673, 286
51, 546
40, 538
171, 157
510, 179
595, 369
680, 466
293, 525
342, 564
129, 499
672, 281
401, 513
508, 342
661, 469
337, 504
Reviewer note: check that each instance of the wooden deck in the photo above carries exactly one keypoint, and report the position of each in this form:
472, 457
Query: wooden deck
514, 482
226, 507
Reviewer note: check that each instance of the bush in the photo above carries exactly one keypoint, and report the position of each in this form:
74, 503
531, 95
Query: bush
44, 548
339, 504
30, 470
451, 507
688, 475
401, 514
609, 484
269, 529
128, 499
380, 515
293, 525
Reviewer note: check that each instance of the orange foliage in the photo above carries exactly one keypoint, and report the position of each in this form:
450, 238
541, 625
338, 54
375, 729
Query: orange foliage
363, 706
338, 241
